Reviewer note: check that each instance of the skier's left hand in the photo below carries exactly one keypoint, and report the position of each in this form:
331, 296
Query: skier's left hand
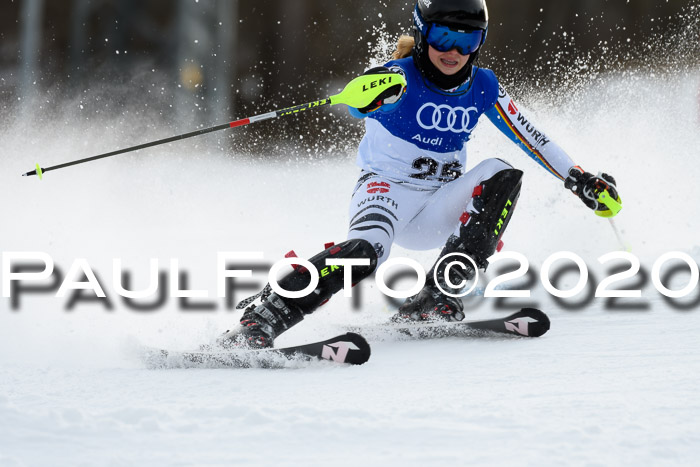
588, 188
390, 96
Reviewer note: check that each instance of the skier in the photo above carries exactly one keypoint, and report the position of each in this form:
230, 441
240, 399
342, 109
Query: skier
412, 189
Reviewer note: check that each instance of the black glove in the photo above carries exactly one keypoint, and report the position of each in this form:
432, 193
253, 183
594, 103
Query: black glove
588, 187
390, 96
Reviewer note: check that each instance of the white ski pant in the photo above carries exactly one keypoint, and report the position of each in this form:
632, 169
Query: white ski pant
384, 211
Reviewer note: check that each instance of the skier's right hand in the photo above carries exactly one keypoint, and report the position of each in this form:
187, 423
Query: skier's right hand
588, 187
390, 96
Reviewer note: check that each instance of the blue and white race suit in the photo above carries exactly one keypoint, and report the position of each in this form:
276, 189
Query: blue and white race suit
413, 189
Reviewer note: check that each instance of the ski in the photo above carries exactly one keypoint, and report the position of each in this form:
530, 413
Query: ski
349, 348
528, 322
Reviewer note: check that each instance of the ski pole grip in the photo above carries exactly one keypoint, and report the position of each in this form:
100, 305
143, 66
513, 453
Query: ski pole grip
365, 89
614, 205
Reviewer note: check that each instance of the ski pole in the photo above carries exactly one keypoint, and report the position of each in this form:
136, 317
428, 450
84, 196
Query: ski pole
360, 92
625, 246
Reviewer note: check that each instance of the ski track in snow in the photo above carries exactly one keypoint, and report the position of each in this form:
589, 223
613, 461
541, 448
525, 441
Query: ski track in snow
601, 388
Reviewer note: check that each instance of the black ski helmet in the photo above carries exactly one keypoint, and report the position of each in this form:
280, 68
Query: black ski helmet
458, 14
466, 15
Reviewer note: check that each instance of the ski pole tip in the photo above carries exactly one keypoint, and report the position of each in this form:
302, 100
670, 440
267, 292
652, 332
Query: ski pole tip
38, 172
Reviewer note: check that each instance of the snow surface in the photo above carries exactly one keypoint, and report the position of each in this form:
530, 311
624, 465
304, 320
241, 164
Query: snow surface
603, 387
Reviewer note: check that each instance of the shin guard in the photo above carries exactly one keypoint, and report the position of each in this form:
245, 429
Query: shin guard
261, 324
482, 227
331, 278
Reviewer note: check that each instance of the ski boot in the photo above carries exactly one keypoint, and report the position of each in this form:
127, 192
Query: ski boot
261, 324
430, 305
477, 237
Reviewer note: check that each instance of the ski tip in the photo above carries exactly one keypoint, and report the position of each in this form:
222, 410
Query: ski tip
363, 345
356, 354
357, 339
538, 324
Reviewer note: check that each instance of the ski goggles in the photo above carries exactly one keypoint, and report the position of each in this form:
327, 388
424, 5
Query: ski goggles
442, 38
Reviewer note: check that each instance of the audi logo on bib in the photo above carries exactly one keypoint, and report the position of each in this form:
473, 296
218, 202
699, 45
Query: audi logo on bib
446, 118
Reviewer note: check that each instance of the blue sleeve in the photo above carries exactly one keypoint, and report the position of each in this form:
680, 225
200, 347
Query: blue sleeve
356, 113
490, 87
501, 124
491, 94
506, 116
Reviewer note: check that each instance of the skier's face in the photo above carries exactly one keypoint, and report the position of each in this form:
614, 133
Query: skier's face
449, 62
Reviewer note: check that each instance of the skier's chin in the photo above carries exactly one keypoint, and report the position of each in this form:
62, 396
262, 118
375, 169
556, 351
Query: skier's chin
449, 67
